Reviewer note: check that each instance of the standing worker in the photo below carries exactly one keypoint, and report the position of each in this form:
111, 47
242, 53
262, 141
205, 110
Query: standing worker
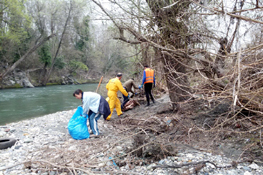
94, 105
113, 86
128, 85
148, 81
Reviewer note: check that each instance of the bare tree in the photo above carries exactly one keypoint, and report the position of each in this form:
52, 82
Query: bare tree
40, 38
168, 36
47, 76
183, 33
30, 51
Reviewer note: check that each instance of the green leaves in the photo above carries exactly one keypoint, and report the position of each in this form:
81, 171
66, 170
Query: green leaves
74, 65
45, 54
14, 21
82, 29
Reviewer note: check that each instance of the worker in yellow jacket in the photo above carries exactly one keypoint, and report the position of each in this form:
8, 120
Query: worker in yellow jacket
113, 86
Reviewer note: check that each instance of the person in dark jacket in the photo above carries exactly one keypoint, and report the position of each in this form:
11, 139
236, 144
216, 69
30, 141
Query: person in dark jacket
128, 85
94, 105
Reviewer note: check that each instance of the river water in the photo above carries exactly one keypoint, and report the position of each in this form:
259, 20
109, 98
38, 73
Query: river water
25, 103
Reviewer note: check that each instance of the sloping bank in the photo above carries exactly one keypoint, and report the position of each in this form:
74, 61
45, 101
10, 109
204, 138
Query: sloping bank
44, 147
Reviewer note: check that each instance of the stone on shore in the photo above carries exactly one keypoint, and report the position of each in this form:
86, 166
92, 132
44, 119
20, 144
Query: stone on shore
45, 142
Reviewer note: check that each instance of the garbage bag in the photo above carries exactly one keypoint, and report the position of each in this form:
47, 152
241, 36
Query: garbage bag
77, 125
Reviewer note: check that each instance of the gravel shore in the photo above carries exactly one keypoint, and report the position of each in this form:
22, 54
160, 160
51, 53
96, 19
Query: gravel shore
50, 132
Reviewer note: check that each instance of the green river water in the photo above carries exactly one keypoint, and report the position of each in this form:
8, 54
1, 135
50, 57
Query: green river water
26, 103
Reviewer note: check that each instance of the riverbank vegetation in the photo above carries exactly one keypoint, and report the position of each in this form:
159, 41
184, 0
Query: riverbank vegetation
53, 41
206, 54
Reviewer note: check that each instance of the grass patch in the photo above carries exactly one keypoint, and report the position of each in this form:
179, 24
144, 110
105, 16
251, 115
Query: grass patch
52, 84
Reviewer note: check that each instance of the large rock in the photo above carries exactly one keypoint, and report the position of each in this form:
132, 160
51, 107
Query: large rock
27, 83
69, 79
17, 77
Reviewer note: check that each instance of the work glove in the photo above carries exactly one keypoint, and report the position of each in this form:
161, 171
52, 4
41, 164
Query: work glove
140, 86
128, 96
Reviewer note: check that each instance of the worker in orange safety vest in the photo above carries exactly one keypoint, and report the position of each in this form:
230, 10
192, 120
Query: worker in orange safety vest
148, 81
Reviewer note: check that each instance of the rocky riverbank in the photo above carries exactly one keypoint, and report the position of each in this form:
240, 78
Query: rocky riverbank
25, 79
44, 147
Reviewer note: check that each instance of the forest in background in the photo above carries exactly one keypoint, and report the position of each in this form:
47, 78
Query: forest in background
49, 40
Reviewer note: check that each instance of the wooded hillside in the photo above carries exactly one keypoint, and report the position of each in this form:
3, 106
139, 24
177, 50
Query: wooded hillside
51, 41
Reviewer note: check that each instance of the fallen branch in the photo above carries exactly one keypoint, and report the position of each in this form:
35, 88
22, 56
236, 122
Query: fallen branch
195, 163
46, 162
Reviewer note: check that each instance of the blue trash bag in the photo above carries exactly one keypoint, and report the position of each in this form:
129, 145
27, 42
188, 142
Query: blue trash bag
77, 125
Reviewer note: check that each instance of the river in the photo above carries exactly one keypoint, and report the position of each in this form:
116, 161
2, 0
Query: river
26, 103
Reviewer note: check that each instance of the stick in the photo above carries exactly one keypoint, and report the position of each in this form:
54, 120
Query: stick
99, 83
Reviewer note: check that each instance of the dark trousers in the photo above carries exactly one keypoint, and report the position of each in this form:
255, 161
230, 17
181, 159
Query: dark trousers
148, 92
125, 100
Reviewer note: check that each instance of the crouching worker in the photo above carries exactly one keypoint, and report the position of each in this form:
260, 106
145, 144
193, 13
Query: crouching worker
94, 105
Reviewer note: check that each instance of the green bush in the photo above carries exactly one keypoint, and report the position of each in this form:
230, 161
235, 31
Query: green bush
18, 86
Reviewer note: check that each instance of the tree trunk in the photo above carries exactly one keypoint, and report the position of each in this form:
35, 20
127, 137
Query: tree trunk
30, 51
172, 32
145, 54
176, 79
47, 76
42, 74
